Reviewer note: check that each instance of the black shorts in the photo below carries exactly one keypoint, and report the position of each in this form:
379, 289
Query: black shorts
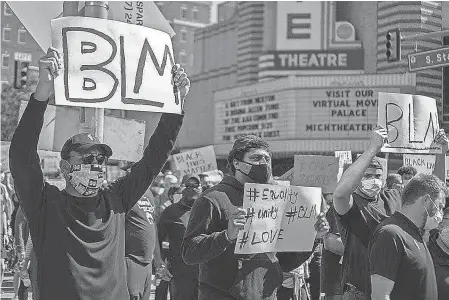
138, 276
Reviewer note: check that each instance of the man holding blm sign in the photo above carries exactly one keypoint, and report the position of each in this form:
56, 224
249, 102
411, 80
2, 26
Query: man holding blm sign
79, 233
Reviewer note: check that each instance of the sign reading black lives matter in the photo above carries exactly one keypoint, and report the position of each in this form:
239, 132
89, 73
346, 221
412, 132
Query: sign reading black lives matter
109, 64
279, 218
196, 161
411, 122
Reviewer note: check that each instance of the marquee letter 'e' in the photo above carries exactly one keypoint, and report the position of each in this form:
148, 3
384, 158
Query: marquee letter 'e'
74, 39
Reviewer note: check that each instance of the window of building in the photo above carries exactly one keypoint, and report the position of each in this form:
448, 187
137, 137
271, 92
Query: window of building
195, 13
182, 57
6, 34
183, 34
21, 35
6, 10
5, 60
184, 12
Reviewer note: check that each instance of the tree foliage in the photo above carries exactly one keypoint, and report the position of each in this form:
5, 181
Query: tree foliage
10, 100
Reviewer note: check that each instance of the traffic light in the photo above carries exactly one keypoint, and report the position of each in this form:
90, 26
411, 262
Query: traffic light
393, 45
20, 74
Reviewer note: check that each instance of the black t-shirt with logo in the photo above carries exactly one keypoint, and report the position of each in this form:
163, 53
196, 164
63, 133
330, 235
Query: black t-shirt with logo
398, 252
140, 232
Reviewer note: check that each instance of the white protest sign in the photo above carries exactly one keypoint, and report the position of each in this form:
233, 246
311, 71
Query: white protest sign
316, 171
422, 163
411, 122
196, 161
279, 218
345, 157
109, 64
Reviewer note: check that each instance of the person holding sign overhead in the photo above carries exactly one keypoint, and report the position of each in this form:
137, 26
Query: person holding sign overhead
79, 233
360, 205
214, 224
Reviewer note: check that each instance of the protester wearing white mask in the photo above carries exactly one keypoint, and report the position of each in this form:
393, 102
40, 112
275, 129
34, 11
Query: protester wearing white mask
439, 249
360, 205
401, 266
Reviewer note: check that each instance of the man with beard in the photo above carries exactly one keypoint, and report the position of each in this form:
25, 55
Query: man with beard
215, 220
360, 206
172, 226
401, 266
78, 234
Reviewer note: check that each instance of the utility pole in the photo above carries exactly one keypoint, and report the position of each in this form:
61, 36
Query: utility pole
97, 9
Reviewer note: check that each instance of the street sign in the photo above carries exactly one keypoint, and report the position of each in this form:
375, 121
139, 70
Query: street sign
19, 56
428, 59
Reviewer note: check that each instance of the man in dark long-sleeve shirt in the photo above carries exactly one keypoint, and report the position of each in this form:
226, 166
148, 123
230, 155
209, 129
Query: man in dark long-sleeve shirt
215, 220
79, 234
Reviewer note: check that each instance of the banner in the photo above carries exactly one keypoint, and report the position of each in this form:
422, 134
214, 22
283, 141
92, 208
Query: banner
316, 171
109, 64
196, 161
411, 122
279, 218
345, 157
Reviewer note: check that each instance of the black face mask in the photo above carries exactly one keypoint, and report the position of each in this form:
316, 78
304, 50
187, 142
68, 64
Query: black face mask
190, 195
258, 173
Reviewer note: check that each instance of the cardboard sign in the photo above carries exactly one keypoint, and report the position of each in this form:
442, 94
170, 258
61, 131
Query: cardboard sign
423, 163
345, 157
279, 218
411, 122
196, 161
109, 64
316, 171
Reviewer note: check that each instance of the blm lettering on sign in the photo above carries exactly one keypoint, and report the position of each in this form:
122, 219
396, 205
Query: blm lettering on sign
411, 122
278, 219
109, 64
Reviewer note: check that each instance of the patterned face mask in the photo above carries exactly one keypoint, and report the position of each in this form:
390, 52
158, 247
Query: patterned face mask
86, 179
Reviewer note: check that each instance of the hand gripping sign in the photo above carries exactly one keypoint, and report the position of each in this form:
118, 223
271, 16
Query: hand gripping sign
278, 219
109, 64
411, 122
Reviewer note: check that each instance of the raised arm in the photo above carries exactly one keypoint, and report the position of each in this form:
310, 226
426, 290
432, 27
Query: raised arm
132, 186
24, 160
354, 174
201, 244
440, 160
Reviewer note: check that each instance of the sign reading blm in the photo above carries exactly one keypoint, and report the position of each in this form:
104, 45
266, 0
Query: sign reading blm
278, 219
109, 64
411, 122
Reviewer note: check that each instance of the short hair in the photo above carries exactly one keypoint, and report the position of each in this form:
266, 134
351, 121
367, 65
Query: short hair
421, 185
407, 170
243, 145
173, 190
393, 179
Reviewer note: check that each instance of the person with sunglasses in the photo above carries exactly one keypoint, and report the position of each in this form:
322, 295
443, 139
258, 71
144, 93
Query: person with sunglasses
78, 234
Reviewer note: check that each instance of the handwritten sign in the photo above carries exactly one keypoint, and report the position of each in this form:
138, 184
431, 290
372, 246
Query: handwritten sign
423, 163
345, 157
196, 161
109, 64
279, 218
411, 122
316, 171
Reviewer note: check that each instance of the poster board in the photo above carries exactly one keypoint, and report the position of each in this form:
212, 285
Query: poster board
279, 218
316, 171
345, 157
196, 161
109, 64
411, 122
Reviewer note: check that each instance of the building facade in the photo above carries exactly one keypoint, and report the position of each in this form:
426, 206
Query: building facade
303, 75
226, 10
17, 44
185, 17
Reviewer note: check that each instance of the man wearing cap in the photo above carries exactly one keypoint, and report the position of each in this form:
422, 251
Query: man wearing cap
79, 233
171, 227
215, 220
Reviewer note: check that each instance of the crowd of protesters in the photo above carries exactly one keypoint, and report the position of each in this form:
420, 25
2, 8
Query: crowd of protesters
376, 238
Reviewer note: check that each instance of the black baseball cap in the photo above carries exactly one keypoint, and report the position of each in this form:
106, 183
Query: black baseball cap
190, 176
82, 142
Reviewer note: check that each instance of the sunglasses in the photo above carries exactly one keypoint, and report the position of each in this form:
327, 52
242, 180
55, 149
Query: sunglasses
192, 185
89, 158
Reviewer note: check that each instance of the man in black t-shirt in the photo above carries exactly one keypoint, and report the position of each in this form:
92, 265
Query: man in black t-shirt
401, 266
360, 205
